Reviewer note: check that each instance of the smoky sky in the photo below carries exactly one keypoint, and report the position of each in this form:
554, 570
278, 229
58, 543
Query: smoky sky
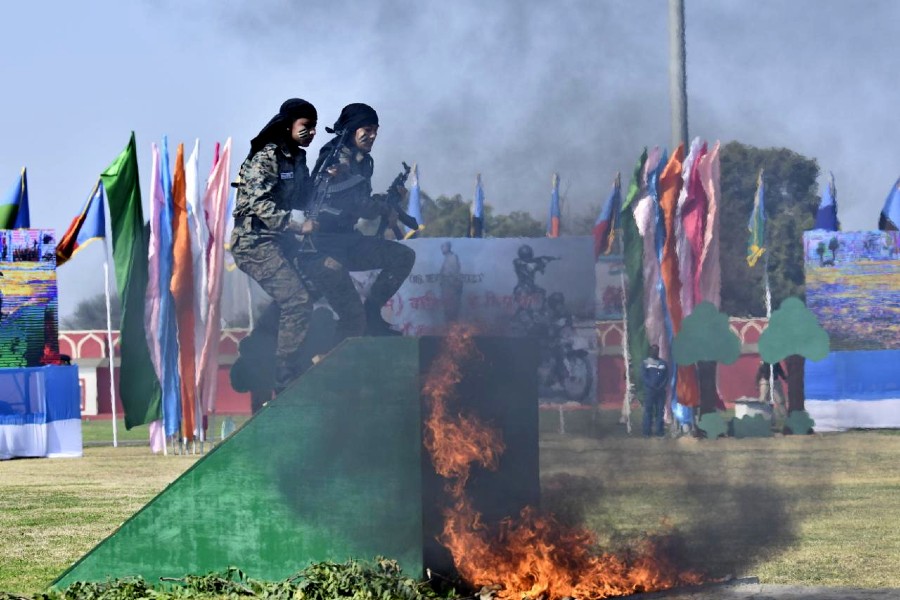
515, 90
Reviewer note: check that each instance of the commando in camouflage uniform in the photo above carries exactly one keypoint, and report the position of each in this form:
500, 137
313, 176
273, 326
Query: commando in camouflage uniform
343, 198
273, 180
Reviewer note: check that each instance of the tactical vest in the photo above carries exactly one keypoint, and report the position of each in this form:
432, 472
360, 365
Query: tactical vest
293, 181
291, 192
339, 202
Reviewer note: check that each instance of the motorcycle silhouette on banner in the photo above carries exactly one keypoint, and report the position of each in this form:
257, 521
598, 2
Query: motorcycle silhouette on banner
537, 287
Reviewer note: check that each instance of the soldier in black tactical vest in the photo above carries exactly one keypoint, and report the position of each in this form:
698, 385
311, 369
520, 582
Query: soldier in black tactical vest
273, 181
343, 196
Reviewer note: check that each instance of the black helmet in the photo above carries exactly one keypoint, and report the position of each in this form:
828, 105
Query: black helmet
525, 252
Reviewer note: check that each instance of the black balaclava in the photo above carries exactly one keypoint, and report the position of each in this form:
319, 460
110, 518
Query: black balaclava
273, 132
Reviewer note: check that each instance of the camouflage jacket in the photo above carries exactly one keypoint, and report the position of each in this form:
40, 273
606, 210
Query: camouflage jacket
347, 196
270, 184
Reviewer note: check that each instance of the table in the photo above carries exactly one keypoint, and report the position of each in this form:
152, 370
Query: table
40, 412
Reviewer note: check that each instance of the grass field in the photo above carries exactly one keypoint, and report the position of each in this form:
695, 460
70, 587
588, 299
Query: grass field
804, 510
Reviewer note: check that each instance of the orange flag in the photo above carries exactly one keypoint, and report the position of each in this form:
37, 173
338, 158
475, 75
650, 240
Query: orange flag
182, 286
670, 183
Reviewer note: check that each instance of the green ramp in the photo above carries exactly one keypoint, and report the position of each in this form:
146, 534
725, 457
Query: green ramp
329, 470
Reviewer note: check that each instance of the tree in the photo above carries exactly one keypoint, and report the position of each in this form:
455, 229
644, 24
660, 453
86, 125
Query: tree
791, 203
91, 313
794, 334
516, 224
448, 216
706, 339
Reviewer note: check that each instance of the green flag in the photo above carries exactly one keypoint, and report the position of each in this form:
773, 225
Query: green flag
756, 245
138, 385
633, 251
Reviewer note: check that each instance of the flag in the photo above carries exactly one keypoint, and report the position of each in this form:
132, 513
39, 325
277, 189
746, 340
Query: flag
215, 202
710, 272
694, 221
756, 246
553, 220
168, 340
632, 251
608, 220
199, 241
182, 288
826, 217
687, 388
414, 207
153, 297
14, 206
670, 182
890, 214
138, 385
684, 210
88, 226
476, 221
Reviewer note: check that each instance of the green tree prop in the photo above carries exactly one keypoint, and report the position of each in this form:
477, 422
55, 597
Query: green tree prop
755, 426
713, 425
799, 422
706, 339
793, 334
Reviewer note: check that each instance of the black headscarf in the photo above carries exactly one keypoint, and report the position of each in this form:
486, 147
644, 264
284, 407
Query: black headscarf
290, 111
353, 116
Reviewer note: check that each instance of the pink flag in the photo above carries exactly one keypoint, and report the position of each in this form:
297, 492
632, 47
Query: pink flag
683, 249
710, 269
694, 226
215, 202
151, 315
653, 309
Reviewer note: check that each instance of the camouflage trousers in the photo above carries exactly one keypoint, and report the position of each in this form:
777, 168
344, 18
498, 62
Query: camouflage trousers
338, 255
263, 259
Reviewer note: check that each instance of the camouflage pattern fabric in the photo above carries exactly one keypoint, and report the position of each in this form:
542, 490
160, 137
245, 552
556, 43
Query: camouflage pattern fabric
272, 182
263, 261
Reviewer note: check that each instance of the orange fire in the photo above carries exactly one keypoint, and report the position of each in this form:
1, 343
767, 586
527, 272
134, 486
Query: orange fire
534, 556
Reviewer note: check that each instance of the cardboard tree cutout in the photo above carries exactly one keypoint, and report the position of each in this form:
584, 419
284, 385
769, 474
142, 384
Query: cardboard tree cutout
706, 339
793, 334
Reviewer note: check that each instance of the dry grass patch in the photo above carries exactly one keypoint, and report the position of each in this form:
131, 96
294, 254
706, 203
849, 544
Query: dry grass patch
52, 511
802, 510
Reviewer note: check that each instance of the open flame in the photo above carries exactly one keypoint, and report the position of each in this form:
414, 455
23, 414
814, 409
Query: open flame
533, 556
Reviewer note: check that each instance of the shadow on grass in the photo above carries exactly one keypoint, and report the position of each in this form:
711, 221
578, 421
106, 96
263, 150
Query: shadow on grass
712, 508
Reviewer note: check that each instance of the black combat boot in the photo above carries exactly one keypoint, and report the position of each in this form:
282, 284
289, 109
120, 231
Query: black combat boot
375, 324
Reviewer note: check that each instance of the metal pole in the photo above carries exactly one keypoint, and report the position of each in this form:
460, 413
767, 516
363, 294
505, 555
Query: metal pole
677, 74
109, 340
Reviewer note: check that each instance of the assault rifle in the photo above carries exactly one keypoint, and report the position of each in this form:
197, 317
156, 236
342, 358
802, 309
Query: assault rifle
320, 184
543, 261
392, 199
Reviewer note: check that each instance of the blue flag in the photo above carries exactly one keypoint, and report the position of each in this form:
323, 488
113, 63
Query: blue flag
890, 214
826, 217
14, 205
476, 224
168, 335
88, 226
553, 220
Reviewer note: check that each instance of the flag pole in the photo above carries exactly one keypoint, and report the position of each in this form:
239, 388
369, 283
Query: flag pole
109, 338
626, 402
249, 303
768, 319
